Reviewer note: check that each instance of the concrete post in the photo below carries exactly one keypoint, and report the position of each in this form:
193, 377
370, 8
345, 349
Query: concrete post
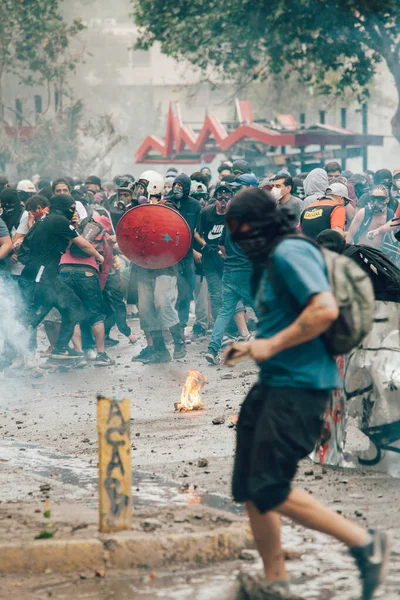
115, 472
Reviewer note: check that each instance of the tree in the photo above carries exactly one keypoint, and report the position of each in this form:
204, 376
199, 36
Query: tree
35, 44
72, 143
331, 45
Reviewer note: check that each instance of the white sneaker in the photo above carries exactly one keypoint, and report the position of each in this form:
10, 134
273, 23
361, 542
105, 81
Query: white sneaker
245, 338
91, 354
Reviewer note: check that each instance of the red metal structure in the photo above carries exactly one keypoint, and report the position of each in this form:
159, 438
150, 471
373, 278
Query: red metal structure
183, 145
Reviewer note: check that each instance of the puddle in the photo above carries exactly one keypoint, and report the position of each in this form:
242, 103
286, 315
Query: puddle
147, 489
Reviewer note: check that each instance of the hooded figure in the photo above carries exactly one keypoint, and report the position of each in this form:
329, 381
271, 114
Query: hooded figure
315, 185
62, 205
185, 182
12, 208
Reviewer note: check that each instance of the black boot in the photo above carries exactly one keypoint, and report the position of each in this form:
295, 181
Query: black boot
160, 354
179, 342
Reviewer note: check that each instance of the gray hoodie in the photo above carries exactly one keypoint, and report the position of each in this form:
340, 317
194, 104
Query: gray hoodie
315, 185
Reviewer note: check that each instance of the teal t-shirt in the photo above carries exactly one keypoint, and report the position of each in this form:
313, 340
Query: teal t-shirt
299, 273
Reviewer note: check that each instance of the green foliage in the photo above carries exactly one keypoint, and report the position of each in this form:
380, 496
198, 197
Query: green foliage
35, 42
260, 38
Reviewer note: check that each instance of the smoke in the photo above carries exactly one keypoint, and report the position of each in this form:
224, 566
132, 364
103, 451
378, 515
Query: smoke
14, 335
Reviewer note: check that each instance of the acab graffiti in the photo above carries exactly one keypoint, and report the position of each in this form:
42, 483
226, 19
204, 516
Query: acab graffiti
115, 464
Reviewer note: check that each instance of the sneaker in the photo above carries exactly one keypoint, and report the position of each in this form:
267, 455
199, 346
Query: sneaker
180, 351
213, 358
372, 561
156, 358
227, 340
62, 354
91, 354
75, 354
245, 338
198, 332
144, 353
103, 360
109, 342
254, 585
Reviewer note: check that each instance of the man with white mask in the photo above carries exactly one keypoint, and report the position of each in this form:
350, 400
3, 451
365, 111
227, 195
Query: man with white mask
282, 187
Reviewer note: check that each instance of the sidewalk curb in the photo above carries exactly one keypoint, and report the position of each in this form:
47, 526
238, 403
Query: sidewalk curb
125, 550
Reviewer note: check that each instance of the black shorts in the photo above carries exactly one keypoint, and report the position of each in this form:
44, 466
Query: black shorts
277, 427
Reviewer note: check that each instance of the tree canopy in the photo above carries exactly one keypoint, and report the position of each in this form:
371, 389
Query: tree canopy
34, 43
331, 45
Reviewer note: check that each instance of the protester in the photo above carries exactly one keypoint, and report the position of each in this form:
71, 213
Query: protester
282, 188
158, 292
3, 182
245, 181
367, 224
327, 213
333, 170
12, 209
189, 208
315, 185
5, 245
40, 284
240, 167
235, 289
280, 420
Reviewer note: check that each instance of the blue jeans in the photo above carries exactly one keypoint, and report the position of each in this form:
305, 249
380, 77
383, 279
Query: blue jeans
235, 287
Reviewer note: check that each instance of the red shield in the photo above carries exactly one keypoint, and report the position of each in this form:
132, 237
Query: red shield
153, 236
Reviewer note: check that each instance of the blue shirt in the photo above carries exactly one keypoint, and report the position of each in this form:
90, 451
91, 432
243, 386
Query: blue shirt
299, 273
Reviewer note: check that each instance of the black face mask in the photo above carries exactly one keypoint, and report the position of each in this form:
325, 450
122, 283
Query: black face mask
254, 243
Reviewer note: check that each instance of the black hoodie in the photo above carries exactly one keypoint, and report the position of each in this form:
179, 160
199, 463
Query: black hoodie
187, 206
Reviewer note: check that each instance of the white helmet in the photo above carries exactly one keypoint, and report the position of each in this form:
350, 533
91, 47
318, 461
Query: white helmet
156, 182
26, 186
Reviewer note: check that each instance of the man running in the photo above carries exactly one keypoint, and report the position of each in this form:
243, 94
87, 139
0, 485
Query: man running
281, 418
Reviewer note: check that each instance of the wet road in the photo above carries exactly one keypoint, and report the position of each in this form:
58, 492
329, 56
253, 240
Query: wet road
48, 434
318, 571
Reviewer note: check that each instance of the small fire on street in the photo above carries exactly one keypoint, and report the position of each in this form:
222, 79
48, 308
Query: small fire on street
190, 396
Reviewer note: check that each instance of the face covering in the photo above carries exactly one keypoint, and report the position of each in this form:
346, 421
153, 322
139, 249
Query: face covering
397, 183
222, 205
276, 193
254, 242
62, 204
376, 206
178, 193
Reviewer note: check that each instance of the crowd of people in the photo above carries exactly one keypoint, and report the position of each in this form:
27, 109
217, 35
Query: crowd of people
254, 262
59, 252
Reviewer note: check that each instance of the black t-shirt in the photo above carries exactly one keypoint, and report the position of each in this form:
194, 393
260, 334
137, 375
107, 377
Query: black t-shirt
49, 240
210, 225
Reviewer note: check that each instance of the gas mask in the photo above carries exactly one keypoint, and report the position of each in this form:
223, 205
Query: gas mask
177, 192
123, 200
222, 202
377, 204
140, 188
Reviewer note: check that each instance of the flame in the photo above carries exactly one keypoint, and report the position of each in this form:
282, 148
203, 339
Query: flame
190, 396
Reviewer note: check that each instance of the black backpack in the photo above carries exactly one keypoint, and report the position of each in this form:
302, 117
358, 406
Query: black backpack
24, 251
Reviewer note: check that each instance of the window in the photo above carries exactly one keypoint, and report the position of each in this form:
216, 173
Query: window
18, 111
38, 105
